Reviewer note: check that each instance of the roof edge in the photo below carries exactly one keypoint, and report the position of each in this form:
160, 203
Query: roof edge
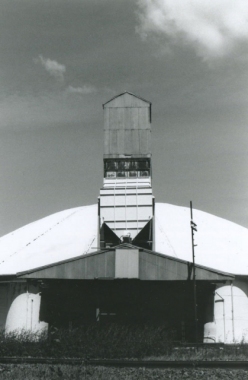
123, 245
126, 92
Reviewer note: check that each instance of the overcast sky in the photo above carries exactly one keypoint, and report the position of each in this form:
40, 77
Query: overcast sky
62, 59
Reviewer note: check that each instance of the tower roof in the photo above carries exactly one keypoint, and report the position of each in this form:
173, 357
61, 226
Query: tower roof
127, 98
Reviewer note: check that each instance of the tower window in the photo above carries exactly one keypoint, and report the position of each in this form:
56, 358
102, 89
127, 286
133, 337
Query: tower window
144, 173
111, 174
122, 174
124, 168
133, 174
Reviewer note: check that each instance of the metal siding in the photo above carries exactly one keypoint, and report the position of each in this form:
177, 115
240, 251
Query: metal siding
128, 141
115, 120
108, 214
113, 141
110, 264
131, 264
3, 304
144, 213
154, 267
136, 143
127, 263
106, 119
147, 264
119, 201
106, 201
120, 113
132, 213
127, 208
121, 133
134, 118
126, 118
145, 140
120, 213
145, 200
131, 200
127, 126
90, 267
203, 274
144, 118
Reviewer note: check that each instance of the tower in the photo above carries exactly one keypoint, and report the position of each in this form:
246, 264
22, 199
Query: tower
126, 203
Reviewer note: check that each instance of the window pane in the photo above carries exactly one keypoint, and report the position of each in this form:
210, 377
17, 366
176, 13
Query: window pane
134, 165
120, 165
111, 174
144, 173
121, 174
133, 174
143, 165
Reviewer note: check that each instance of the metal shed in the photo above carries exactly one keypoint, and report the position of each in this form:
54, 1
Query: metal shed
125, 284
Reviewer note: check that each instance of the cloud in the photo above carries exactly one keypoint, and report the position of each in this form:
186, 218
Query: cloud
54, 68
85, 90
213, 28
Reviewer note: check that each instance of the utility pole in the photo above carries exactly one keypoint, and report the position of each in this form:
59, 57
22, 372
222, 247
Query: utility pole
194, 229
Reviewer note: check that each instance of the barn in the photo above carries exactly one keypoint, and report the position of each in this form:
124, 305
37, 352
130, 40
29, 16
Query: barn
127, 259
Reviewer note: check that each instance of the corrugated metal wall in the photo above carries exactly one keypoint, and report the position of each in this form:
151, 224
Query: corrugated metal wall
4, 304
151, 266
127, 126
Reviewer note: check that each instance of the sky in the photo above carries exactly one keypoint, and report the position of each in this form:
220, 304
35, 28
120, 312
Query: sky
62, 59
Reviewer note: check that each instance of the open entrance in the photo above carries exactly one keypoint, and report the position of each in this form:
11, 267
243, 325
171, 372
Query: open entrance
72, 303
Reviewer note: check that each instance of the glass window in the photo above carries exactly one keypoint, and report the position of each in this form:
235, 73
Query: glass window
121, 165
144, 173
121, 174
133, 174
111, 174
143, 165
134, 165
111, 165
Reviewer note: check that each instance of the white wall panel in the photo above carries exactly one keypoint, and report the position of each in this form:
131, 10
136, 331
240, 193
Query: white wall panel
107, 200
145, 200
120, 213
144, 213
127, 263
119, 200
107, 214
132, 213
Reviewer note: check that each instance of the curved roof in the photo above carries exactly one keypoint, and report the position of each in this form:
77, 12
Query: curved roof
221, 244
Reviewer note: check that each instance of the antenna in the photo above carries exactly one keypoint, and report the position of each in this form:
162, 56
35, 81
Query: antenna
194, 229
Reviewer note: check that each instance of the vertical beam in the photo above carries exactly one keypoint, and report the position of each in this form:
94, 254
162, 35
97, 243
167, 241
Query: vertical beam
224, 316
193, 228
233, 330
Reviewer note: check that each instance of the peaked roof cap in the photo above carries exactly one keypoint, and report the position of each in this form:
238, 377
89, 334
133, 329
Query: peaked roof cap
123, 93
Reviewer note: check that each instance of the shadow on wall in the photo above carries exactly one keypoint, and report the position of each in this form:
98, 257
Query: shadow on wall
230, 314
24, 309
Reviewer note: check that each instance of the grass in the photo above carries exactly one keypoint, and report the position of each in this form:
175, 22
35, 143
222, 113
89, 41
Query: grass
94, 341
65, 372
112, 342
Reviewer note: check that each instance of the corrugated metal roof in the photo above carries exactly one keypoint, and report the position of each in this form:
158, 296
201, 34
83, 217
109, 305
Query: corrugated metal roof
221, 244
